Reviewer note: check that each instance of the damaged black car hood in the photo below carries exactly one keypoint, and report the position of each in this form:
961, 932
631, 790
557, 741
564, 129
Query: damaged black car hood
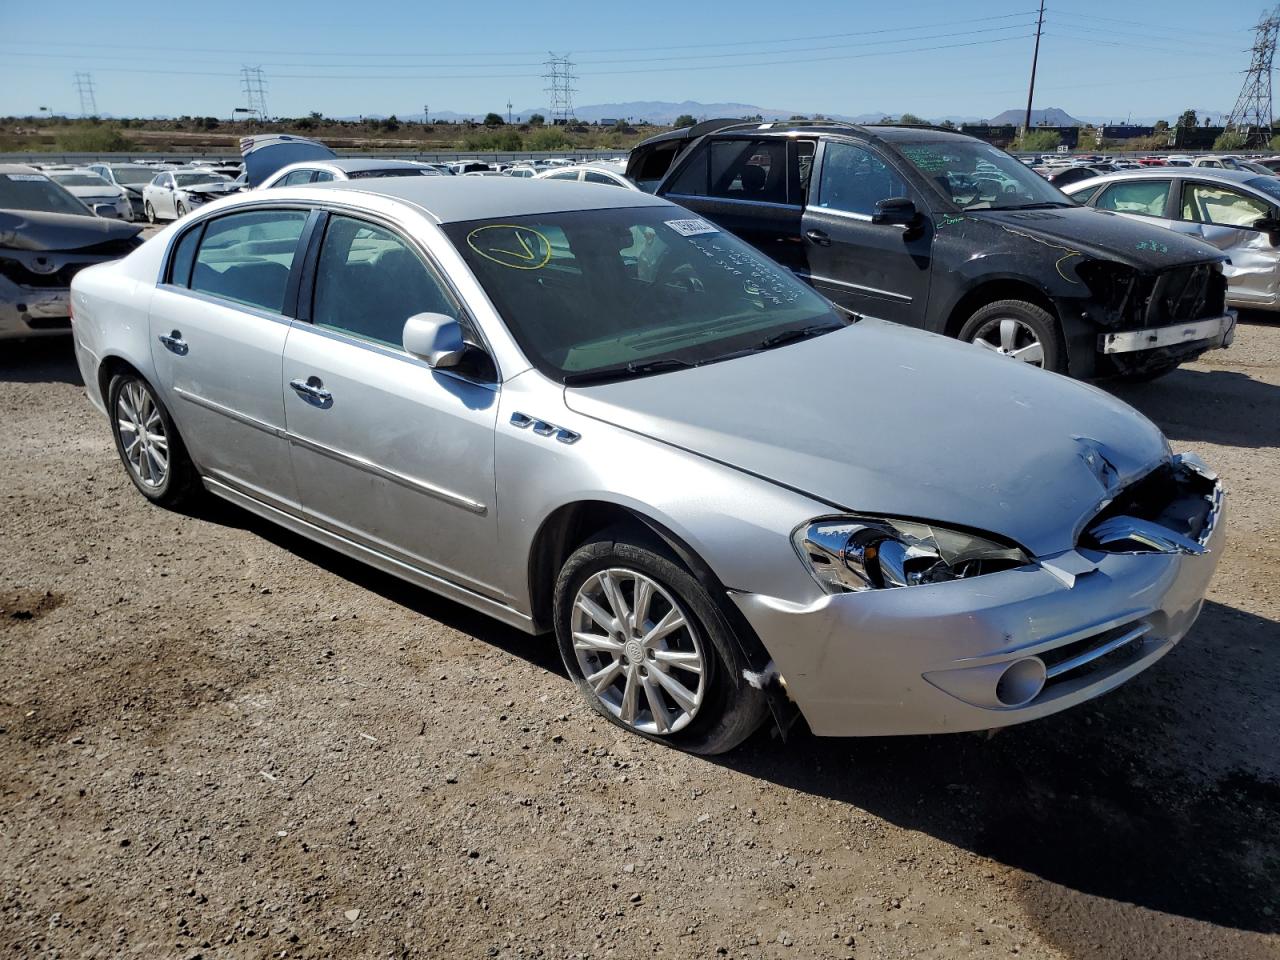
37, 230
1102, 235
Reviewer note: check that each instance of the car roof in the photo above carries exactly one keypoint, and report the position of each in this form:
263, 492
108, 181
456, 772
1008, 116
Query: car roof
17, 168
356, 164
451, 200
1158, 173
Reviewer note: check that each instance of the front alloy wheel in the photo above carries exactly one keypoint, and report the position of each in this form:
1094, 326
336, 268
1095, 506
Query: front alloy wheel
1011, 337
150, 211
1018, 330
638, 651
650, 648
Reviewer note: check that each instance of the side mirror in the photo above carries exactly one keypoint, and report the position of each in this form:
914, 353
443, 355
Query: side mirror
106, 210
435, 338
1271, 226
898, 211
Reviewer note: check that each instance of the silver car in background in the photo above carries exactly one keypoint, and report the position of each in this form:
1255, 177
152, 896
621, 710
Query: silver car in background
129, 177
604, 174
172, 194
589, 412
346, 168
1238, 211
103, 198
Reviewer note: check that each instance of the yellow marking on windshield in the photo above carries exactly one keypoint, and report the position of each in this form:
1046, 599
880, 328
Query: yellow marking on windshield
528, 241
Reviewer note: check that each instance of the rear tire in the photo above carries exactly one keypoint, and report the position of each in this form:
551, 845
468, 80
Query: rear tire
1020, 331
150, 448
682, 687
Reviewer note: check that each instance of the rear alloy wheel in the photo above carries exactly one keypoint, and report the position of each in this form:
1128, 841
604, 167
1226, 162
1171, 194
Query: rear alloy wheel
150, 211
649, 649
149, 446
1020, 331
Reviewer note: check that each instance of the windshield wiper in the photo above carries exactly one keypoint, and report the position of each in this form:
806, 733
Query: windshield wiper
1037, 205
801, 333
632, 369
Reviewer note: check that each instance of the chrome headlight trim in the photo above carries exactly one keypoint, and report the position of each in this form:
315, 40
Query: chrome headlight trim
851, 554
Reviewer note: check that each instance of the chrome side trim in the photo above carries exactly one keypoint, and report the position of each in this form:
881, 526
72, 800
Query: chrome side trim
1099, 651
235, 415
854, 286
743, 202
374, 558
368, 466
522, 421
847, 214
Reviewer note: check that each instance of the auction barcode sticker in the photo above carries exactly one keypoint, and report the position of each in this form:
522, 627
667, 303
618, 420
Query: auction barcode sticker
691, 228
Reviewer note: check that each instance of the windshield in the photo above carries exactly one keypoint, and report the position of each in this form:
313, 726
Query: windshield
134, 176
1268, 185
79, 179
35, 191
978, 176
599, 294
199, 179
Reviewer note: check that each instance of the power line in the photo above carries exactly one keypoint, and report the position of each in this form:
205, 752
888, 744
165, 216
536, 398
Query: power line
381, 54
1252, 112
88, 102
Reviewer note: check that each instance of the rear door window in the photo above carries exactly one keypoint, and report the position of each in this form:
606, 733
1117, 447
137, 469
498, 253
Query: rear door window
754, 170
1146, 197
246, 257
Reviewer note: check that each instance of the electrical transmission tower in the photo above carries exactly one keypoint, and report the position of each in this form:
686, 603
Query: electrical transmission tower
255, 90
560, 88
1252, 113
88, 102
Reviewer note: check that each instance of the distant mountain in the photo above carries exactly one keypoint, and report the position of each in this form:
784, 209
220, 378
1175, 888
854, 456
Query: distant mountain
1051, 116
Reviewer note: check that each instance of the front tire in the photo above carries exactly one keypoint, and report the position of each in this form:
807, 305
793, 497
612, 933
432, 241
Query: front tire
148, 443
1020, 331
648, 648
150, 211
180, 210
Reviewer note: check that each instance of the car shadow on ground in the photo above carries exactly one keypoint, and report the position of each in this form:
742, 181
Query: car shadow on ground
48, 360
1209, 406
538, 652
1154, 795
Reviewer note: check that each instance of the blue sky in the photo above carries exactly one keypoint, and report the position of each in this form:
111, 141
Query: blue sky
932, 57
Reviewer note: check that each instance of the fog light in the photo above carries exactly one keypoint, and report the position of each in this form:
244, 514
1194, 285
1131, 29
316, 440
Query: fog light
1021, 682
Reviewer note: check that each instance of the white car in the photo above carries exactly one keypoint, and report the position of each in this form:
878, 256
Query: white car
589, 173
172, 194
521, 172
354, 168
94, 192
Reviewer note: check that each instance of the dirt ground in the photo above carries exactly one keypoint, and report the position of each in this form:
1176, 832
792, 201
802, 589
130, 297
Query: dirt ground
218, 740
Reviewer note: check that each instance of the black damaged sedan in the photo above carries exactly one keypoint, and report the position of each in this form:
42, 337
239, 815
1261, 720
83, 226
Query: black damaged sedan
946, 232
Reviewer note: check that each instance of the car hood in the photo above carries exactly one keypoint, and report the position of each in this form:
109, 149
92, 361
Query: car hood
1104, 235
35, 230
212, 189
882, 420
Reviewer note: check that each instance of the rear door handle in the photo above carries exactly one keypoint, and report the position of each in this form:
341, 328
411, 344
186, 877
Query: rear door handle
174, 342
819, 237
312, 390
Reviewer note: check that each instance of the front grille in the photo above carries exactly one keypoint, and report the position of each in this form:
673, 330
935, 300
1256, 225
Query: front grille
1103, 652
1180, 294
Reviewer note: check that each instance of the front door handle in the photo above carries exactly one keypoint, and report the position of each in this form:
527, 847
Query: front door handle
819, 237
174, 342
312, 390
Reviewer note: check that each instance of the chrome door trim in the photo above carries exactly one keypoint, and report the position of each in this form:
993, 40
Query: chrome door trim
743, 202
375, 558
228, 412
854, 286
395, 353
226, 302
368, 466
847, 214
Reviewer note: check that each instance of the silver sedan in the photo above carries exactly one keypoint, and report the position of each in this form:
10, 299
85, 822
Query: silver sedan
1238, 211
591, 413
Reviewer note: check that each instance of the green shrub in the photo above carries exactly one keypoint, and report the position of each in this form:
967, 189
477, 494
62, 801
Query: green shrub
1229, 140
549, 138
94, 140
1038, 141
508, 141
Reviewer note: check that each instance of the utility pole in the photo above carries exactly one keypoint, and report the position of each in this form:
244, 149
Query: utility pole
426, 115
508, 112
1035, 59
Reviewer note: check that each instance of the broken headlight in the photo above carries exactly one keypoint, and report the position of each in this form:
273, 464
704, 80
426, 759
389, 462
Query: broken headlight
850, 554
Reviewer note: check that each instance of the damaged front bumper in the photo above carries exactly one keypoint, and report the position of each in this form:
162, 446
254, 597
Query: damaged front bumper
997, 650
1206, 334
33, 311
